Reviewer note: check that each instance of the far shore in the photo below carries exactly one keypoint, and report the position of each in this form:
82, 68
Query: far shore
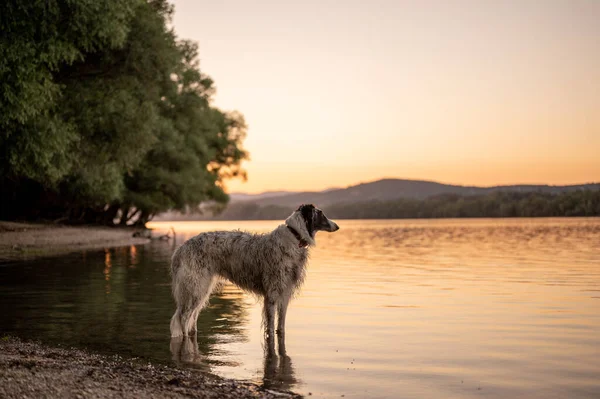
23, 241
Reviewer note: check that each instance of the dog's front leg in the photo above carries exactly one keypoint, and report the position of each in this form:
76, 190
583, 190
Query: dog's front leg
281, 312
269, 316
282, 306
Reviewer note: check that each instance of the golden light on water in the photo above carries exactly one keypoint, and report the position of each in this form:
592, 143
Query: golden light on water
423, 304
107, 269
133, 256
429, 308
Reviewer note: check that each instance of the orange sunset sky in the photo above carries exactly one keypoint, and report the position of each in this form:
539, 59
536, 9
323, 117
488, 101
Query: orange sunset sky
467, 92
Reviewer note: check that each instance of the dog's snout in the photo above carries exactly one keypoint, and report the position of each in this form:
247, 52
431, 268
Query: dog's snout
334, 226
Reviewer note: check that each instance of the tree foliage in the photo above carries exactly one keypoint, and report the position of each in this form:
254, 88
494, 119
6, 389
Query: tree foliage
37, 39
103, 109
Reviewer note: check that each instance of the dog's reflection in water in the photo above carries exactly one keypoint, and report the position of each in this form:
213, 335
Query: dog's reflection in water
278, 369
185, 352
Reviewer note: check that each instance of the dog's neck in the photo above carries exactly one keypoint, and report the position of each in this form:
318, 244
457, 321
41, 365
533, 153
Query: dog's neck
297, 226
302, 243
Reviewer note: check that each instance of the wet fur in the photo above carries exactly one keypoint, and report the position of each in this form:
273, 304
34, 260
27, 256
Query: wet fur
271, 265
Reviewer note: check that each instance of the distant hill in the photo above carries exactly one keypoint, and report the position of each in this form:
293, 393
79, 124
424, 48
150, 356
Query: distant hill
391, 189
416, 194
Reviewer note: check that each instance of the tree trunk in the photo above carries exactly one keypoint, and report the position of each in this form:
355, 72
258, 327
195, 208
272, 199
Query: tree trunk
110, 214
133, 214
124, 216
144, 215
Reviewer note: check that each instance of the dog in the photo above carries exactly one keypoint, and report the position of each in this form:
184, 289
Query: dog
271, 265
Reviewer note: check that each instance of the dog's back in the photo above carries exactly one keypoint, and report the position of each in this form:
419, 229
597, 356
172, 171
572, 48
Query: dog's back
254, 262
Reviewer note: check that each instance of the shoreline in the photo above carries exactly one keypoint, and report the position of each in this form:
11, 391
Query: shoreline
31, 369
34, 369
25, 241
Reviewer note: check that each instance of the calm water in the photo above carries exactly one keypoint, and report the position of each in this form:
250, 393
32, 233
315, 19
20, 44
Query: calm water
390, 309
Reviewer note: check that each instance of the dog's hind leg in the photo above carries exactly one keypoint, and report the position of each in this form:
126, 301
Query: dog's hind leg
186, 316
178, 295
196, 302
194, 319
204, 296
176, 329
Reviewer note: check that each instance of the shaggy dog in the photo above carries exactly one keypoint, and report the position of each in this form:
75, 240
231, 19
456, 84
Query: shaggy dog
271, 265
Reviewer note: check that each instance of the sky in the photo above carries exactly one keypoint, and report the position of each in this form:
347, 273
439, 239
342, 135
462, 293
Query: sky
464, 92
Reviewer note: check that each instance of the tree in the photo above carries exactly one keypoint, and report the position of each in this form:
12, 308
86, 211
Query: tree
199, 147
37, 39
113, 97
102, 109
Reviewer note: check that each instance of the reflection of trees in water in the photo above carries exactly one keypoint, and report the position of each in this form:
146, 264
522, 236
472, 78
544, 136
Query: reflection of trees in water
114, 300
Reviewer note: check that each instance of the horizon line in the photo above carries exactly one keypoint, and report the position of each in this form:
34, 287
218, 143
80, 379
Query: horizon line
413, 180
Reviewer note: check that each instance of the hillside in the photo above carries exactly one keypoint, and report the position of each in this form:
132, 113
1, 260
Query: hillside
391, 189
414, 198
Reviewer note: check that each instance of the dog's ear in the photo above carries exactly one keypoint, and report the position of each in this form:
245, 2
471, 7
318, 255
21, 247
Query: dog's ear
307, 211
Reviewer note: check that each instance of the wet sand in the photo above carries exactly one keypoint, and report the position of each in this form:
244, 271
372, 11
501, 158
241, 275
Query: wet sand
31, 370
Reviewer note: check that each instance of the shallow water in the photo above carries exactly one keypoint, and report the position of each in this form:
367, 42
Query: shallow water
435, 308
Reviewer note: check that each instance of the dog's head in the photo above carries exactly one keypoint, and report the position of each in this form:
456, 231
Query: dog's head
308, 219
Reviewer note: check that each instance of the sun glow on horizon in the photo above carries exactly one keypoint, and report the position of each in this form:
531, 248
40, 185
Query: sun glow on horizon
315, 179
470, 93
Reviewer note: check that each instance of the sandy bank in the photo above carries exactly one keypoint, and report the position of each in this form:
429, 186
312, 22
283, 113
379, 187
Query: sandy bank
31, 370
20, 241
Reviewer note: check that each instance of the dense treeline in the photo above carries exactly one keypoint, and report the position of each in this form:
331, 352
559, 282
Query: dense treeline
501, 204
104, 113
498, 204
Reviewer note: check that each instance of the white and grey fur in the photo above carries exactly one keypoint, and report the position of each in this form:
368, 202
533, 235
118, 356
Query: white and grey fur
270, 265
